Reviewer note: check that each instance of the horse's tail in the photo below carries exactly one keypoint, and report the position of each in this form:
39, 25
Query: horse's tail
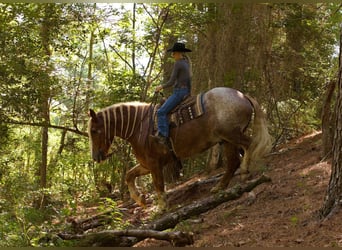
261, 143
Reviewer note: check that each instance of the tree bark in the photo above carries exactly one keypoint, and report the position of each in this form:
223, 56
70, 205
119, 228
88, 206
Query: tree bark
333, 198
327, 120
45, 94
127, 238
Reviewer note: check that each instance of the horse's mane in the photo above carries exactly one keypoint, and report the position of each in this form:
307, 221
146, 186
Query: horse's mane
139, 113
133, 103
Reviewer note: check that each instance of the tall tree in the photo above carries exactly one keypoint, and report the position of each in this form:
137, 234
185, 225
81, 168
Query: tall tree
45, 35
333, 198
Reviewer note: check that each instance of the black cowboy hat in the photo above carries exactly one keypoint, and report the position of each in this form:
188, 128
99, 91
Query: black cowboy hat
179, 47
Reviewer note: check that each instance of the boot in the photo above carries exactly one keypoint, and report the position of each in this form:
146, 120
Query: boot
162, 140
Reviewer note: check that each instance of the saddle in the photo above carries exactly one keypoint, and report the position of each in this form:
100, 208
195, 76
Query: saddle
189, 109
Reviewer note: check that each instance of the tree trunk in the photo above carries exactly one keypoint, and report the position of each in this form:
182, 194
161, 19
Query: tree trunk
160, 22
333, 198
327, 120
134, 20
89, 81
43, 166
235, 41
45, 94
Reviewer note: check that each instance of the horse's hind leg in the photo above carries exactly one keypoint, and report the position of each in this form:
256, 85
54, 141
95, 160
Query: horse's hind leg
232, 160
238, 138
246, 160
245, 164
137, 171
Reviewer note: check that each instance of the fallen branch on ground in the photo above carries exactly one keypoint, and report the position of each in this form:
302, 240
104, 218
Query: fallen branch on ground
82, 225
170, 220
197, 187
127, 238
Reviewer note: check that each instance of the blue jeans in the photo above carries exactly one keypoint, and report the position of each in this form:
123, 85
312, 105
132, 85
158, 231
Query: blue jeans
164, 110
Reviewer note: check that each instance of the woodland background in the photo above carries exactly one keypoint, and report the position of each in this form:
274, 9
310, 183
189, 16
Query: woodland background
59, 60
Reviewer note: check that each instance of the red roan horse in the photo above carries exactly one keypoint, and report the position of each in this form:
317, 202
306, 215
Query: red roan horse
228, 113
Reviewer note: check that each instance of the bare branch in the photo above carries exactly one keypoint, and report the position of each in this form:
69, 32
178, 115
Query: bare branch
73, 130
121, 57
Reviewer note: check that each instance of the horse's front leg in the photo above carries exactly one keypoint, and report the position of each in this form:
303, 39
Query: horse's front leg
158, 182
137, 171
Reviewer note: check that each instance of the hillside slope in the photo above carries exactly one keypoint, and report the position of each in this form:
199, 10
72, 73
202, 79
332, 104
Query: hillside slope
281, 213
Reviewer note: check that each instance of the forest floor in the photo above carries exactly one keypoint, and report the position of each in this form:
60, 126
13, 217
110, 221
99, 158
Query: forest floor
279, 213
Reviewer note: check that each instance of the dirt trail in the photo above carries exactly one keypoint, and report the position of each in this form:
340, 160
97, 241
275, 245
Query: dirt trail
280, 213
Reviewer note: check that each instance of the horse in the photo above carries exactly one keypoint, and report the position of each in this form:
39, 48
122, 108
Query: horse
228, 114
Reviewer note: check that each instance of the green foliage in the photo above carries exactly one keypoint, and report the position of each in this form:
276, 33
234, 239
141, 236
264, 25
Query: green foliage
59, 60
115, 215
294, 220
295, 118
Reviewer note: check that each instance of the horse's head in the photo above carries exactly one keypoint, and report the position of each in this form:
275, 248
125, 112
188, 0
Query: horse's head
99, 144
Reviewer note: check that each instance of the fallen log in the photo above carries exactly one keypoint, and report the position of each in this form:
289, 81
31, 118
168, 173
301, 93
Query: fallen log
170, 220
82, 225
154, 229
94, 221
195, 190
129, 237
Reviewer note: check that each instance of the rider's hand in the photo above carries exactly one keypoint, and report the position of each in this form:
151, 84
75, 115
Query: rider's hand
158, 88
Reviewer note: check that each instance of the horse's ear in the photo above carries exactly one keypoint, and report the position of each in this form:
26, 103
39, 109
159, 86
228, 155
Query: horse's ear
92, 114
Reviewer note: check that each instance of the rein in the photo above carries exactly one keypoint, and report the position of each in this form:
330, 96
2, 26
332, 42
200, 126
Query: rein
151, 120
151, 109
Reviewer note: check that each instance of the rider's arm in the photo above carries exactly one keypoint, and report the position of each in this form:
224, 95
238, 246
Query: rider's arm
171, 82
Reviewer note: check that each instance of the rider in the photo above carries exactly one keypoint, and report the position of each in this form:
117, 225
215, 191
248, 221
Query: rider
181, 81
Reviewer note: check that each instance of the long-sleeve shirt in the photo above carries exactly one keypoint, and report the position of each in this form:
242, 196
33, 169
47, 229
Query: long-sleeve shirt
180, 77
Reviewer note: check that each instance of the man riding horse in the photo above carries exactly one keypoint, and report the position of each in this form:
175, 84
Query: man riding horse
181, 81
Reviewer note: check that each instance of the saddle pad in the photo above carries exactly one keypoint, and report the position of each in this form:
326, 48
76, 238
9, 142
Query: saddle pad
189, 109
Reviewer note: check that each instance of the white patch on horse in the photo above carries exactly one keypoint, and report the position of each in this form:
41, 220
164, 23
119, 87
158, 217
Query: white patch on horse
109, 123
134, 121
105, 125
141, 122
122, 121
114, 114
128, 120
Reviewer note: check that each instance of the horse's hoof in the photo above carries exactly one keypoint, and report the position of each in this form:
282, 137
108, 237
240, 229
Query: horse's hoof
215, 189
142, 201
244, 176
162, 203
162, 209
